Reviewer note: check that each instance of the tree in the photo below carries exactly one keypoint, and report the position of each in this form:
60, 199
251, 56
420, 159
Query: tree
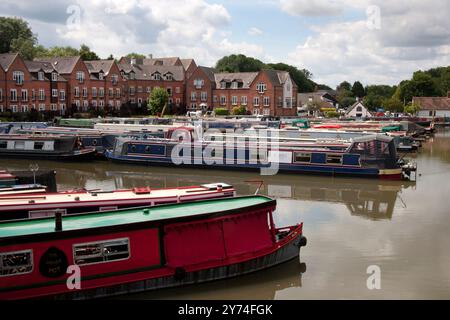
347, 102
57, 52
25, 47
393, 105
86, 53
157, 100
13, 29
411, 108
239, 111
135, 55
344, 86
239, 63
358, 90
300, 77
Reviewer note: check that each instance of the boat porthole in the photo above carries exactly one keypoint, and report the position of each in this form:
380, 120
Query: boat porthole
147, 149
94, 142
133, 148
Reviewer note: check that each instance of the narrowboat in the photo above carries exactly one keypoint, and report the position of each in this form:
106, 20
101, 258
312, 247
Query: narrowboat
53, 147
368, 156
37, 205
140, 249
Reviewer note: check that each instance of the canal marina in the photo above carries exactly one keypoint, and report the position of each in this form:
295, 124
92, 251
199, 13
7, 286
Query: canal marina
381, 221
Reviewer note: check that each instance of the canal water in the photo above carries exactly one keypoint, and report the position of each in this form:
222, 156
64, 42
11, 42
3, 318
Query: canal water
401, 228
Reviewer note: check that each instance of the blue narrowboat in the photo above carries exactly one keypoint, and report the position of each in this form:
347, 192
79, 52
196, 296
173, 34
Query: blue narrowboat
368, 156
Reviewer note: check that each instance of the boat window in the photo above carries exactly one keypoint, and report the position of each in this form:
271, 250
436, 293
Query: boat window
102, 251
3, 144
334, 158
302, 157
38, 145
15, 263
19, 145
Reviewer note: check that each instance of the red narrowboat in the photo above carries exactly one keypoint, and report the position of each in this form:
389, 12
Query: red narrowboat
138, 249
17, 205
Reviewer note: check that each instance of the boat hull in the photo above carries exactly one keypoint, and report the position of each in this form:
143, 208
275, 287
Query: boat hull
78, 155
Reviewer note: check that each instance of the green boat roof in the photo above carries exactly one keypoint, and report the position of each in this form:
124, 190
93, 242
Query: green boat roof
127, 216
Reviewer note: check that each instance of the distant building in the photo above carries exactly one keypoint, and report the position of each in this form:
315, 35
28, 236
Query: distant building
322, 99
358, 110
433, 106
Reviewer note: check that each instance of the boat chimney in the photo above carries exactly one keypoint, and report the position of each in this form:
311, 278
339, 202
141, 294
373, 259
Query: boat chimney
219, 187
58, 220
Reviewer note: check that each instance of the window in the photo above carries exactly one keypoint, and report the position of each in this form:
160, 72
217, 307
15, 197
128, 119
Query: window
244, 100
261, 87
111, 92
94, 92
169, 91
288, 103
266, 111
41, 107
234, 85
24, 108
114, 79
149, 89
256, 101
54, 76
302, 157
117, 93
132, 75
94, 103
85, 92
234, 100
13, 95
204, 96
223, 100
15, 263
14, 108
334, 159
80, 76
76, 92
215, 98
177, 89
156, 76
102, 251
169, 77
132, 90
266, 101
359, 108
62, 95
53, 107
198, 83
41, 94
193, 96
55, 93
18, 77
223, 85
24, 95
3, 144
101, 92
101, 76
38, 145
1, 94
40, 76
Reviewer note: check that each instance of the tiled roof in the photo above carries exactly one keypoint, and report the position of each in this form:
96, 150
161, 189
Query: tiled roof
246, 78
171, 61
186, 63
209, 73
36, 66
145, 72
95, 66
433, 103
6, 59
64, 65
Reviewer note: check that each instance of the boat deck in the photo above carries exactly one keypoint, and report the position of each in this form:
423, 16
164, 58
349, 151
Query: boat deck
128, 216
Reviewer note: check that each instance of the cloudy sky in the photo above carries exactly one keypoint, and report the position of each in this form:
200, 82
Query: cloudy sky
373, 41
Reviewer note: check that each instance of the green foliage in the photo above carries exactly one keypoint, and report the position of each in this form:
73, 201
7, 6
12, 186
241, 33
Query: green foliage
135, 55
411, 108
376, 94
157, 100
393, 104
57, 52
345, 85
300, 77
239, 111
86, 53
346, 102
15, 33
221, 111
332, 114
358, 90
25, 47
239, 63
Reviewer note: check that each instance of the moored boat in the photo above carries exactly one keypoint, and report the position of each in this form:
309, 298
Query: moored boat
142, 249
37, 205
51, 147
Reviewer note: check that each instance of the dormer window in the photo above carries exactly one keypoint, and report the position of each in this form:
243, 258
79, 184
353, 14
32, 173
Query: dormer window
234, 85
132, 75
156, 76
54, 76
114, 78
223, 85
169, 77
41, 76
101, 76
18, 77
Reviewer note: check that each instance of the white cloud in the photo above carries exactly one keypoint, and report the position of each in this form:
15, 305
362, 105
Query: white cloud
253, 31
413, 35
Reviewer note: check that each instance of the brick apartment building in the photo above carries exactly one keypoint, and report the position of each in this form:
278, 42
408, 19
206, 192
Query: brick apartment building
69, 84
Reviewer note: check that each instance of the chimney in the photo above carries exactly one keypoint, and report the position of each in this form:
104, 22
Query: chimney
150, 55
133, 60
